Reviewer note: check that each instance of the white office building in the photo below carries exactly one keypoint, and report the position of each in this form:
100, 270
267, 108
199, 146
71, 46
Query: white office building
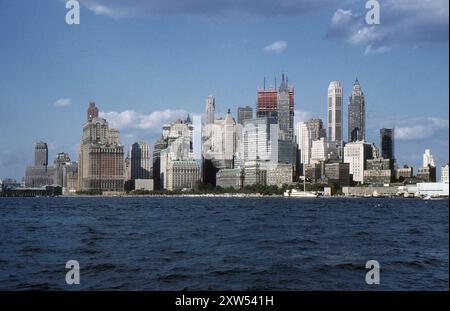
428, 158
335, 111
319, 151
356, 154
304, 142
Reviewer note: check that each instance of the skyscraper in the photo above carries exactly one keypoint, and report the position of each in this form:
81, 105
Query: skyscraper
178, 138
335, 95
41, 154
316, 129
357, 154
101, 157
387, 144
284, 114
229, 137
428, 158
140, 161
62, 159
40, 174
244, 113
210, 110
278, 104
260, 140
92, 111
160, 144
356, 114
304, 143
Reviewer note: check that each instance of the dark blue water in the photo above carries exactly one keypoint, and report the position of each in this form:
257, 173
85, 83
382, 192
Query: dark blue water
223, 244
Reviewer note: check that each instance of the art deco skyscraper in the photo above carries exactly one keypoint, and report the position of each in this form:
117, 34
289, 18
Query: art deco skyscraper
210, 110
40, 174
41, 154
356, 114
335, 95
101, 157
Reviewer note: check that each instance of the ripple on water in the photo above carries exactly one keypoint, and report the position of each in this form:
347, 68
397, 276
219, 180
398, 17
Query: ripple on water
223, 243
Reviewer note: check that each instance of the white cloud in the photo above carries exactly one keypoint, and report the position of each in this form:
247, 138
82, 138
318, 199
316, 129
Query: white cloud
130, 119
266, 8
409, 22
302, 116
276, 47
421, 128
376, 50
63, 102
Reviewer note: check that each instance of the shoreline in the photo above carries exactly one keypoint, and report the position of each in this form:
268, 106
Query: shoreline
241, 196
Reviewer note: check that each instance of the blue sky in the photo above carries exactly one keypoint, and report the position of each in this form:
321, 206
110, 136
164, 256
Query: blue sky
146, 62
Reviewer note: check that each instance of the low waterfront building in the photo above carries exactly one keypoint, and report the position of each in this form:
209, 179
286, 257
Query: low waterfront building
427, 174
279, 175
371, 191
45, 191
230, 178
39, 176
432, 189
338, 173
143, 184
378, 171
444, 174
254, 174
182, 174
8, 183
402, 173
313, 172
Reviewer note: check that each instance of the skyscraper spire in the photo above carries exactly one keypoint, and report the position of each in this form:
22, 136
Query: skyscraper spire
283, 86
356, 114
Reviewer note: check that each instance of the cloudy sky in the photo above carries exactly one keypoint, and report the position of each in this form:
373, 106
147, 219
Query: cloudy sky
146, 62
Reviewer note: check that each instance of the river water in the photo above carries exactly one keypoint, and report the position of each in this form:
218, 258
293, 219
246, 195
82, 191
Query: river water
177, 243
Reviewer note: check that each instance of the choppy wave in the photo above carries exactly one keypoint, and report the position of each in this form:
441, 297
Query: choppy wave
223, 243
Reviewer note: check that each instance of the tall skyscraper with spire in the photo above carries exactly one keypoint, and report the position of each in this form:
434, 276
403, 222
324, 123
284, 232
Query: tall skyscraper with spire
356, 114
284, 113
335, 95
210, 110
278, 104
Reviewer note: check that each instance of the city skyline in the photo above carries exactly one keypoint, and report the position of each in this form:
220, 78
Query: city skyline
137, 94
